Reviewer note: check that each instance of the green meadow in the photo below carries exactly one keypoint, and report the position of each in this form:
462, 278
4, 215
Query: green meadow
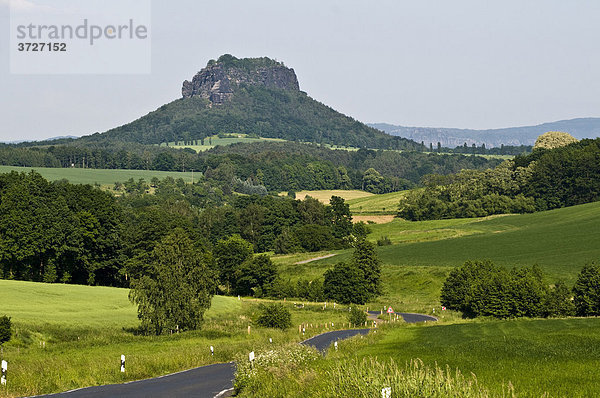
386, 203
423, 253
216, 140
70, 336
104, 177
559, 357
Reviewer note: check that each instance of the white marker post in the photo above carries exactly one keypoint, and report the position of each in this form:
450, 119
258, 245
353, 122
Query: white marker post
271, 340
386, 392
122, 363
212, 351
4, 369
335, 345
251, 356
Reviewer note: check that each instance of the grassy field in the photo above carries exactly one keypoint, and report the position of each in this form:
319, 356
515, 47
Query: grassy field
423, 253
560, 241
557, 356
325, 196
68, 336
215, 140
97, 176
386, 203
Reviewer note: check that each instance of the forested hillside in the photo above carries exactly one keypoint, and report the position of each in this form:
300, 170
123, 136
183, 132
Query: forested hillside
278, 166
545, 179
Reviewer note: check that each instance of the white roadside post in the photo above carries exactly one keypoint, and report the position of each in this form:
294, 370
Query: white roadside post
212, 351
335, 345
251, 358
271, 340
122, 363
4, 369
386, 392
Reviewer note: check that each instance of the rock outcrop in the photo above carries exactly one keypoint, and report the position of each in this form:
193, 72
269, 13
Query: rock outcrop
219, 80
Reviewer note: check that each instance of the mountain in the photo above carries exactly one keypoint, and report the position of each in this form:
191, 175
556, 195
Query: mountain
257, 96
61, 138
452, 137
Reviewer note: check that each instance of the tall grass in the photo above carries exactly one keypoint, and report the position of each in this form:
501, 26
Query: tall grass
297, 371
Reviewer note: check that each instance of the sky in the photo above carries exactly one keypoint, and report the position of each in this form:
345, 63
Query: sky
461, 63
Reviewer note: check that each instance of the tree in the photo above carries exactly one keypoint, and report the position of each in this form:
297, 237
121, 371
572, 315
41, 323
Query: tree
372, 181
229, 254
357, 281
586, 292
558, 301
274, 316
366, 259
341, 218
254, 275
344, 284
177, 288
553, 139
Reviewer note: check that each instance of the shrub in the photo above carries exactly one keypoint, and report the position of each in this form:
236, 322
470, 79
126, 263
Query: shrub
384, 241
274, 316
5, 326
357, 316
254, 275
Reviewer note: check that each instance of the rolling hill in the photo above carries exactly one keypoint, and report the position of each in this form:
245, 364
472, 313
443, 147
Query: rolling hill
526, 135
255, 96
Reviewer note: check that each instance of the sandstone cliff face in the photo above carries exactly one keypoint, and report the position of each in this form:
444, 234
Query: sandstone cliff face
218, 81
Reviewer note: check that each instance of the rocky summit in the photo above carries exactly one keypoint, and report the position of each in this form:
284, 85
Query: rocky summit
219, 79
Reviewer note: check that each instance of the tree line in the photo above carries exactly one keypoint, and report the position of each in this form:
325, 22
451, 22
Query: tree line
482, 288
543, 180
62, 232
277, 166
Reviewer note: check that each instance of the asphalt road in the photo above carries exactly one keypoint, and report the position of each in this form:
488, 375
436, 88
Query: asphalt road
322, 341
208, 381
202, 382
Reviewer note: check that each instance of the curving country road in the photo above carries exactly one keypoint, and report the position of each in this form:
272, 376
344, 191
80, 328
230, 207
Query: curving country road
212, 380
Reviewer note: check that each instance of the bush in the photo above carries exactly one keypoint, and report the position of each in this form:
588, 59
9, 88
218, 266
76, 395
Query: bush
481, 288
357, 316
586, 292
274, 316
384, 241
5, 326
254, 275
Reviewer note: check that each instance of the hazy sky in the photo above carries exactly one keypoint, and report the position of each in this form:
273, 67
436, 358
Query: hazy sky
460, 63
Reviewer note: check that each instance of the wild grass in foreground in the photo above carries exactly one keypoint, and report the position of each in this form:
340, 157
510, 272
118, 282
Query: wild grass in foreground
298, 371
557, 357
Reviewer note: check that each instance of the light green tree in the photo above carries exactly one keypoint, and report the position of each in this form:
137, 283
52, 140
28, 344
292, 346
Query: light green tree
177, 287
553, 139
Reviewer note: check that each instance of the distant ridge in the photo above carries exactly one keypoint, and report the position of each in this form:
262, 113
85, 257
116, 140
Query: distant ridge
60, 137
526, 135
